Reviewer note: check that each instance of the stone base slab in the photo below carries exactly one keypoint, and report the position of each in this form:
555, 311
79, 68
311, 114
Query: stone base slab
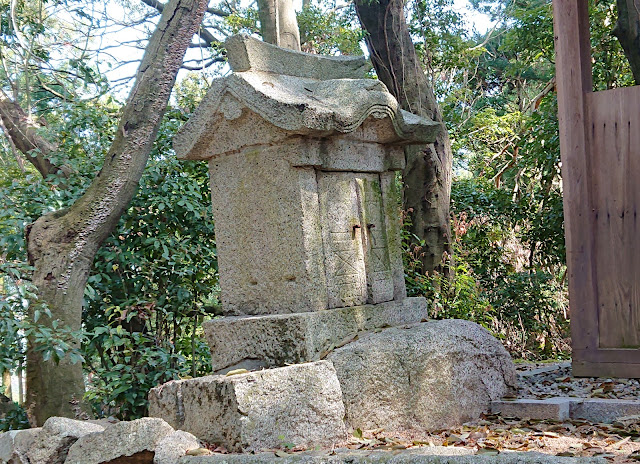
564, 408
254, 342
300, 404
430, 455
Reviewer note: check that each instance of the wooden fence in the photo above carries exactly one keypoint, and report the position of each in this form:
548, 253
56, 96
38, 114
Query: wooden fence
600, 149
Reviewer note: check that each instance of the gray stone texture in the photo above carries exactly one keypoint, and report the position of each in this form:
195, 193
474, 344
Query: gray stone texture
551, 408
300, 404
174, 446
603, 410
432, 375
58, 434
15, 444
272, 341
435, 455
246, 53
122, 442
293, 234
266, 107
563, 408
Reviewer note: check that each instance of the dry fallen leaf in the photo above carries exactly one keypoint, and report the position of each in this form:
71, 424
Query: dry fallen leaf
198, 452
236, 372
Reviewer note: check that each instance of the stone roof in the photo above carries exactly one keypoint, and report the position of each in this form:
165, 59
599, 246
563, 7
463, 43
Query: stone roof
299, 93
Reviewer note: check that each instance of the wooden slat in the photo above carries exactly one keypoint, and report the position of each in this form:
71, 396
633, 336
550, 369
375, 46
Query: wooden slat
614, 355
573, 76
608, 369
614, 148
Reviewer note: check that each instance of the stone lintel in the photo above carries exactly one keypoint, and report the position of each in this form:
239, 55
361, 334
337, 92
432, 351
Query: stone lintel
254, 342
246, 53
253, 411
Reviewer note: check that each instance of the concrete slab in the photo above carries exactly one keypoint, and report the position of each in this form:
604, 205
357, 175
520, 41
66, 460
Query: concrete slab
564, 408
603, 410
552, 408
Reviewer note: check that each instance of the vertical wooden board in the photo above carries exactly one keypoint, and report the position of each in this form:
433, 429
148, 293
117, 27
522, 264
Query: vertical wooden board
342, 239
615, 194
377, 262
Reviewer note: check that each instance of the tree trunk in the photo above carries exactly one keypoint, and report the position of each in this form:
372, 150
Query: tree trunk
6, 383
61, 246
627, 31
427, 176
278, 23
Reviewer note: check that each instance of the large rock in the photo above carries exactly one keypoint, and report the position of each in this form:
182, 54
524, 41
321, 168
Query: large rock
174, 446
432, 375
15, 444
280, 339
122, 443
58, 434
300, 404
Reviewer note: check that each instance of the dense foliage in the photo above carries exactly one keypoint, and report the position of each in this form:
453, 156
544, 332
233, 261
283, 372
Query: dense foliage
154, 280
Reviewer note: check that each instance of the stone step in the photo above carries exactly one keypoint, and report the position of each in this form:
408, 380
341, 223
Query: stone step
431, 455
564, 408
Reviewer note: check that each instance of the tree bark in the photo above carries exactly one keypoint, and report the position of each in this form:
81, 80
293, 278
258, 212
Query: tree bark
61, 246
427, 175
627, 31
278, 23
6, 383
22, 131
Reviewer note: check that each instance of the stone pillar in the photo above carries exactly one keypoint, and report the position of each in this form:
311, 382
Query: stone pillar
303, 153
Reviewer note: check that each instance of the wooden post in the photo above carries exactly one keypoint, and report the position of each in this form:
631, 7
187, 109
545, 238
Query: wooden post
573, 77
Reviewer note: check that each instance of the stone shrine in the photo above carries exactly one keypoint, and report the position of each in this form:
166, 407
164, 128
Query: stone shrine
303, 153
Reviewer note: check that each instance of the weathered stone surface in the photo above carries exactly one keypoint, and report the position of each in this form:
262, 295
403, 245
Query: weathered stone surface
269, 244
563, 408
58, 434
122, 443
264, 107
551, 408
603, 410
174, 446
251, 412
15, 444
271, 341
431, 375
436, 455
246, 53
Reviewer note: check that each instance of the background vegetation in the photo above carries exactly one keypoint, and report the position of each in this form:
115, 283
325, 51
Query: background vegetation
154, 281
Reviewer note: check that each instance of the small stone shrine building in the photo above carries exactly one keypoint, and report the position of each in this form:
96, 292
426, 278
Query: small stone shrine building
303, 153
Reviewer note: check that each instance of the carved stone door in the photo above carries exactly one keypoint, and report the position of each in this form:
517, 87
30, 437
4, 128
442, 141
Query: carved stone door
354, 238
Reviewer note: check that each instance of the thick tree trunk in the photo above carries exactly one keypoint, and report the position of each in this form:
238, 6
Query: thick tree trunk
62, 245
278, 23
427, 176
627, 31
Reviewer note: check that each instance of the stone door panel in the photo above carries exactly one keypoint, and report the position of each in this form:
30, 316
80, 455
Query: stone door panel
357, 262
